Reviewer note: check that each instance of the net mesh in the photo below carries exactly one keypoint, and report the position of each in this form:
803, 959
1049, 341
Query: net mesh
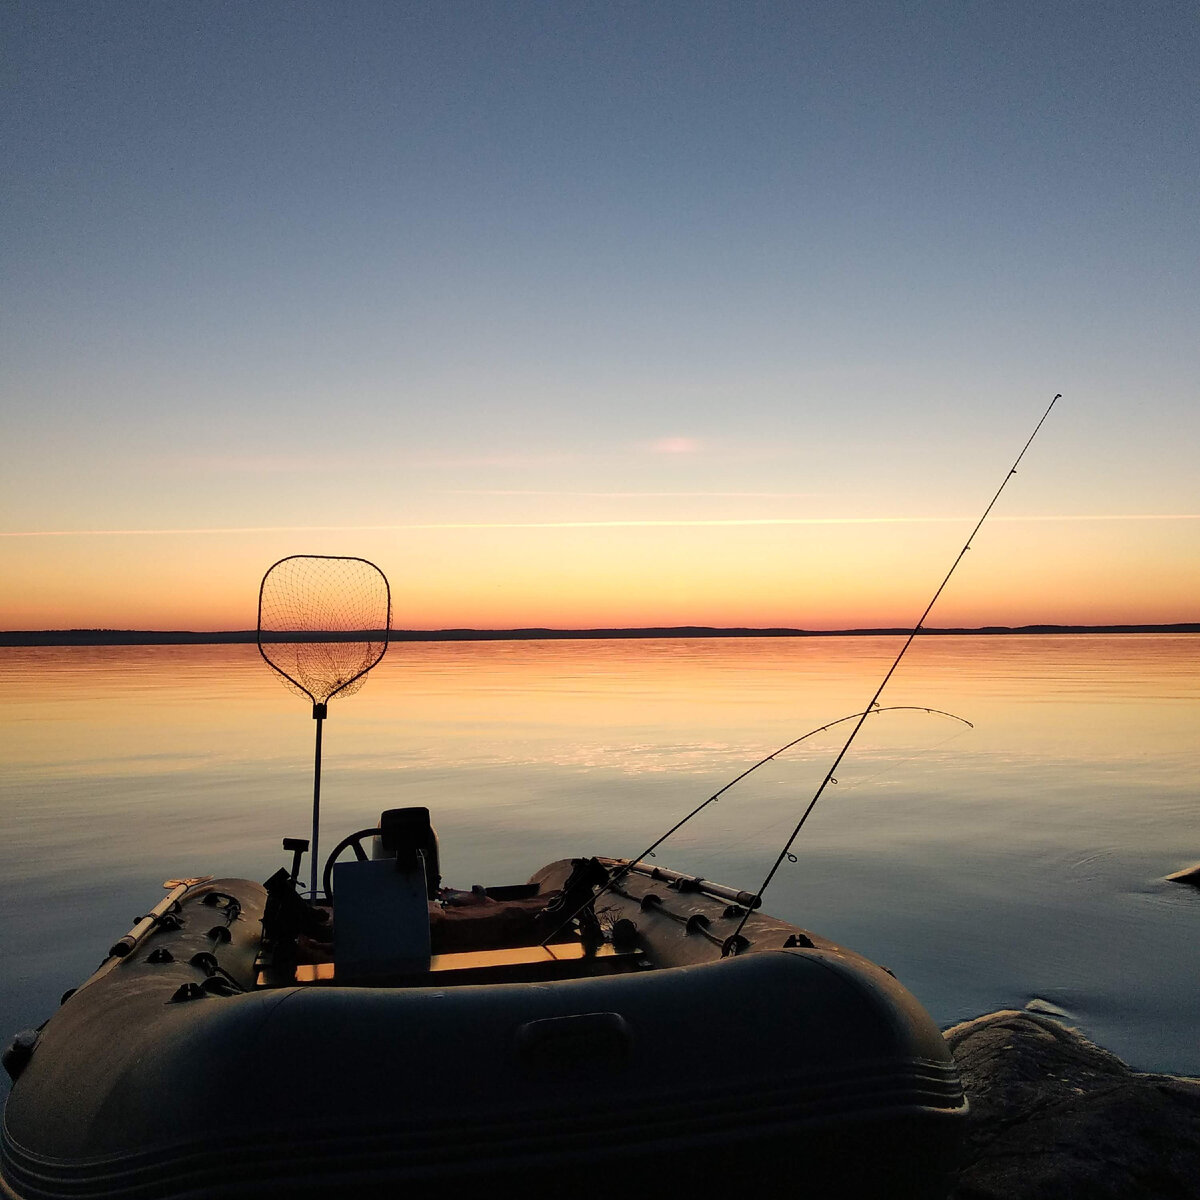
323, 623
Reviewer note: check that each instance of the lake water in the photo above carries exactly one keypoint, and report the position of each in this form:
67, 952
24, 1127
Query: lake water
1020, 861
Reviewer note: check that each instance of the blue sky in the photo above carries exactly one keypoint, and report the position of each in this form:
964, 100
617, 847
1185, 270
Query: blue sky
278, 266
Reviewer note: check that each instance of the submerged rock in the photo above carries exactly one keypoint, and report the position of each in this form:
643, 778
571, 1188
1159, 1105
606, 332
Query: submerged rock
1053, 1115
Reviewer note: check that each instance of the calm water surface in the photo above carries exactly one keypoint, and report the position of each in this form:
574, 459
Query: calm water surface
1020, 861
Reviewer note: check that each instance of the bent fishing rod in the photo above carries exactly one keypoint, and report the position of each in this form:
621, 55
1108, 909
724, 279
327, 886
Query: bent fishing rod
762, 762
620, 872
734, 941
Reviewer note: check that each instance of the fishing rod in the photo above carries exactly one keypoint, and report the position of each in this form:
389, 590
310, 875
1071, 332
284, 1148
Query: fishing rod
622, 871
731, 943
649, 851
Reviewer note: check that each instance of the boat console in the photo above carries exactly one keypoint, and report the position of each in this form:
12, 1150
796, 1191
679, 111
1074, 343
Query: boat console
382, 927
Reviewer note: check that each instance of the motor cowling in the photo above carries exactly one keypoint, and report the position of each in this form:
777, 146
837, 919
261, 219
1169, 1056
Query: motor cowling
404, 833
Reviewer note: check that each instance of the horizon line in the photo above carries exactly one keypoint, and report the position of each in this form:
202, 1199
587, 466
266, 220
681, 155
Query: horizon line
16, 637
606, 524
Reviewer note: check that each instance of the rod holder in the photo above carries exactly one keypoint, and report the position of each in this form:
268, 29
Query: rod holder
297, 846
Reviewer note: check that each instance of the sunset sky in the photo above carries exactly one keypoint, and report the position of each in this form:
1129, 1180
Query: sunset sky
580, 314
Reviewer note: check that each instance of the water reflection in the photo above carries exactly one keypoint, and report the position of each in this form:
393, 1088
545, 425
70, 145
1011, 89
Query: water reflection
985, 867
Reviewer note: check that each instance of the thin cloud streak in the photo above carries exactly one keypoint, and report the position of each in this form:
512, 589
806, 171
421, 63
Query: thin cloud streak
331, 463
669, 524
627, 495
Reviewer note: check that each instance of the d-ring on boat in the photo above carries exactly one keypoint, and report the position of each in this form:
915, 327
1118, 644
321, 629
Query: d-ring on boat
592, 1029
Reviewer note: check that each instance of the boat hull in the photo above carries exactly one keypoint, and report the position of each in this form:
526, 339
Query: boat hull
804, 1063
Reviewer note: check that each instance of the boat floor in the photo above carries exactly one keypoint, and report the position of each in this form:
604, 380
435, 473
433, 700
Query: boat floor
650, 919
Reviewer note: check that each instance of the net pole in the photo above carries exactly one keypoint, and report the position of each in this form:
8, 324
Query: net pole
319, 711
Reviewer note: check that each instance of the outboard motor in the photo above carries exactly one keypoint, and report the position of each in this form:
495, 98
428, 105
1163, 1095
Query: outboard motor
405, 832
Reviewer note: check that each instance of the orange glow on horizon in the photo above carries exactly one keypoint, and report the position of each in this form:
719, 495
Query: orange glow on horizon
823, 575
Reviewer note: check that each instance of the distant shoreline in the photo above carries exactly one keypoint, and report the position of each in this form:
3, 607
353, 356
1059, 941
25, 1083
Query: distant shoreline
150, 637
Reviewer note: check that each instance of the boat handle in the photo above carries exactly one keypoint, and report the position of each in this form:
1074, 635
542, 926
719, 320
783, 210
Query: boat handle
581, 1040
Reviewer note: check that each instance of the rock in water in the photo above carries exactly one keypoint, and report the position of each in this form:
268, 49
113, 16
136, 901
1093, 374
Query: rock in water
1055, 1116
1190, 875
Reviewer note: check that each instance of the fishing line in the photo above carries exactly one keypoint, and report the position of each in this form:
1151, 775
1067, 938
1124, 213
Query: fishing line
897, 763
844, 787
735, 940
875, 710
862, 716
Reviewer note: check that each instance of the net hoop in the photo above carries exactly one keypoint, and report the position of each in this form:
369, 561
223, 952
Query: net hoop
334, 639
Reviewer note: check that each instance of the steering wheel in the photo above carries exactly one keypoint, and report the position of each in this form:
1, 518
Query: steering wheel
354, 840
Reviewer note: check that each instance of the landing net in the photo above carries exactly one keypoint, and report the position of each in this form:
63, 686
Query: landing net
323, 623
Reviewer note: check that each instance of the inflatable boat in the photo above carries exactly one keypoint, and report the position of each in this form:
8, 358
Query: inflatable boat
599, 1028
